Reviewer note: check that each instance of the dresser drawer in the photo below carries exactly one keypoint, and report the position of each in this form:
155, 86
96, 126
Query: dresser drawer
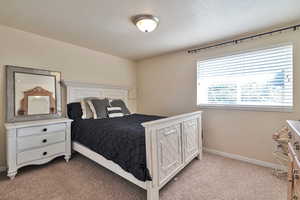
40, 153
40, 129
34, 141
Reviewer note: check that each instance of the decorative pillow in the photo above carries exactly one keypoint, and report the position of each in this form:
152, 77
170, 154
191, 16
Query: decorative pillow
86, 110
114, 112
120, 103
74, 111
98, 107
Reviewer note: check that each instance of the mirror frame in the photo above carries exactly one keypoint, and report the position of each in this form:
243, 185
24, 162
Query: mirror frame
10, 94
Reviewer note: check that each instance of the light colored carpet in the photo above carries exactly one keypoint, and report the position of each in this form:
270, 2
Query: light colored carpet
213, 178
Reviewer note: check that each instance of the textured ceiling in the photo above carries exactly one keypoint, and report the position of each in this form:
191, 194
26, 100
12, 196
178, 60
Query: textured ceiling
104, 25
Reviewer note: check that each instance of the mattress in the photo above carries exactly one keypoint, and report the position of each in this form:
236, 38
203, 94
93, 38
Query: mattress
120, 139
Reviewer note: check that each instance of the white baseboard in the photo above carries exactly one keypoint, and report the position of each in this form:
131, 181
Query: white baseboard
245, 159
2, 168
227, 155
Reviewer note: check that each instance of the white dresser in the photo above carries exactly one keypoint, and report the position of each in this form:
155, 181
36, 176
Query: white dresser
36, 142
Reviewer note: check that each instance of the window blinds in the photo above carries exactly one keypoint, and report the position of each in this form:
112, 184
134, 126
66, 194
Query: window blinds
262, 78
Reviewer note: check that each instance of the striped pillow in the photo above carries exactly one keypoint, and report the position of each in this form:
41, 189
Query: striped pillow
114, 112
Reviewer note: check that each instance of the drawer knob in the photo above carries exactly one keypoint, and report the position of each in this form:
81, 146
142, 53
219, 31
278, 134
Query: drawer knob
45, 129
45, 153
44, 140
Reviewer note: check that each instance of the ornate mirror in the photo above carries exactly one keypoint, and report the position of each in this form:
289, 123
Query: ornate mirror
32, 94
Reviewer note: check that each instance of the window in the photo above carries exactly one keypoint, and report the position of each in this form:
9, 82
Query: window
257, 79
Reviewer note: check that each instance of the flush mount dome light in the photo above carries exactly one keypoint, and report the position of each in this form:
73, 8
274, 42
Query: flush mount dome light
146, 23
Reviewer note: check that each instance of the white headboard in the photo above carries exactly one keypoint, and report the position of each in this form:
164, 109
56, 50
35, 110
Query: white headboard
76, 91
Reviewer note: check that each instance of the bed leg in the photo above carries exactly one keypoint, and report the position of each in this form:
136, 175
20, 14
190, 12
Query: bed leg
199, 157
152, 192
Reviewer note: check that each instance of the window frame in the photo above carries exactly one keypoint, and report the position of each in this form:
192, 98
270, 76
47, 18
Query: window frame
265, 108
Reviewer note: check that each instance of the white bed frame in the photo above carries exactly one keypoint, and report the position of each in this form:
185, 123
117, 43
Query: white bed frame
171, 143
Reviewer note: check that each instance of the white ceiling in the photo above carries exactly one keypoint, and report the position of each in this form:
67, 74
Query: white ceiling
104, 25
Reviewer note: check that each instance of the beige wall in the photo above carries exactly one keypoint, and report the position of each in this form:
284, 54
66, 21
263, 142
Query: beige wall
78, 64
167, 86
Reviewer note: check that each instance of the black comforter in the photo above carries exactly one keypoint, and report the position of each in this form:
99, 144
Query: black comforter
120, 139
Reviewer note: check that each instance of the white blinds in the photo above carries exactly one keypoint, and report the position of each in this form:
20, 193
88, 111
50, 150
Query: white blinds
262, 78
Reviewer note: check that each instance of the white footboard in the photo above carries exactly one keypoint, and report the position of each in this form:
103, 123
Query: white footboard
171, 143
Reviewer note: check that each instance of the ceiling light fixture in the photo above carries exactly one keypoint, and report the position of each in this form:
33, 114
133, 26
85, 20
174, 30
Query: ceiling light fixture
146, 23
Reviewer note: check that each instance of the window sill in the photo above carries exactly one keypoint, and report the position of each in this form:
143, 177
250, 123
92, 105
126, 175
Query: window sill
248, 108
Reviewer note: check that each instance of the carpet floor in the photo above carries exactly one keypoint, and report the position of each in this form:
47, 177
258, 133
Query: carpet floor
213, 178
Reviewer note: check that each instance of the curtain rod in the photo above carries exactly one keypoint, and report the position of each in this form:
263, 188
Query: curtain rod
295, 27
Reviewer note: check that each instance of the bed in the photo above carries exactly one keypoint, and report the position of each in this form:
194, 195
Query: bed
160, 147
